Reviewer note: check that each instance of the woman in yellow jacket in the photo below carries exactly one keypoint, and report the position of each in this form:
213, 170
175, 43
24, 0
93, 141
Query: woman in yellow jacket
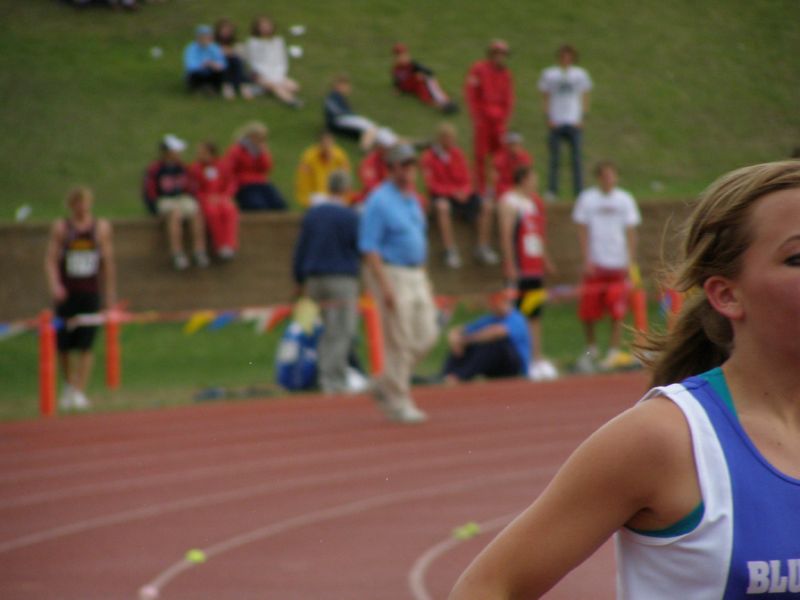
316, 164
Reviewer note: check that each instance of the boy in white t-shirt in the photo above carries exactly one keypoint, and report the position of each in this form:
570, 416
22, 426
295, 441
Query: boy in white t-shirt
565, 94
607, 217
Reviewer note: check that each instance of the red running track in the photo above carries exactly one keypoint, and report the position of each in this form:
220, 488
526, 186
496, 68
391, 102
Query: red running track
300, 498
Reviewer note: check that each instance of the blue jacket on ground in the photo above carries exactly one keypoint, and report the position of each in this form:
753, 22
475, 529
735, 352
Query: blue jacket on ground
517, 328
196, 55
328, 242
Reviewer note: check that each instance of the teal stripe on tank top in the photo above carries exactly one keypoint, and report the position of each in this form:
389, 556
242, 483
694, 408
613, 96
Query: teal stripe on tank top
716, 379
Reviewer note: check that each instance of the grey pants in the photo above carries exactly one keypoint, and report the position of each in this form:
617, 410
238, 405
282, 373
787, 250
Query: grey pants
337, 296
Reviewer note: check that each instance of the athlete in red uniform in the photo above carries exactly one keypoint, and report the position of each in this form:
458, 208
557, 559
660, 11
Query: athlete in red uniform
523, 228
506, 161
489, 92
411, 77
213, 185
79, 258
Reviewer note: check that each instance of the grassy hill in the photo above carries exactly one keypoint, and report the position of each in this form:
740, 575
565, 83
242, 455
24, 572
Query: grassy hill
683, 90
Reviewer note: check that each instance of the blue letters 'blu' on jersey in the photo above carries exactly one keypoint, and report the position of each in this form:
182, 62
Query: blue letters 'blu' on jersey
747, 544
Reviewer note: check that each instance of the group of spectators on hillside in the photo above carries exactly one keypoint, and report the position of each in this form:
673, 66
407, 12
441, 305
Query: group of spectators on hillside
218, 62
210, 191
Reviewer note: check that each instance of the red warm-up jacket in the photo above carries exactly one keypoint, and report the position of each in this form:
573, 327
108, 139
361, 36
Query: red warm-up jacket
248, 168
446, 172
489, 91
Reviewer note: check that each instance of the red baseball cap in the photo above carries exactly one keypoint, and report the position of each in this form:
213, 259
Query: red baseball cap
499, 46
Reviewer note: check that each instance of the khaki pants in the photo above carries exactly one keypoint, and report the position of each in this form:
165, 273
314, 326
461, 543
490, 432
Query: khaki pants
409, 331
338, 299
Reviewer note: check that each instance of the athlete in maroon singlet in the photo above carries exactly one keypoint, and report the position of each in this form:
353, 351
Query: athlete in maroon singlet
80, 271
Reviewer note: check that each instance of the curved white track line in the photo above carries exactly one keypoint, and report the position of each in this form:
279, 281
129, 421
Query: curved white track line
416, 576
265, 488
158, 583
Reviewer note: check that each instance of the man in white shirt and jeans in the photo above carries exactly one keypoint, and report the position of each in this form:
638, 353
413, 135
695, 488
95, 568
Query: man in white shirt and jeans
607, 218
565, 93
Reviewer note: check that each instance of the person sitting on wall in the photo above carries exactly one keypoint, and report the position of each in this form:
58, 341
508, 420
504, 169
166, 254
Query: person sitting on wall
250, 162
213, 186
166, 189
316, 165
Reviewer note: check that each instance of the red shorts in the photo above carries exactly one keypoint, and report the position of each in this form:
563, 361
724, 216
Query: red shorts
606, 290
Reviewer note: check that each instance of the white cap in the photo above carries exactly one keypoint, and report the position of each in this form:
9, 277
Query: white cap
174, 143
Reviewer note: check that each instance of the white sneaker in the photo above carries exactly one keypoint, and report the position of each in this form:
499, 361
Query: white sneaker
452, 258
80, 401
542, 370
66, 400
586, 363
228, 92
180, 262
357, 383
226, 252
486, 255
408, 414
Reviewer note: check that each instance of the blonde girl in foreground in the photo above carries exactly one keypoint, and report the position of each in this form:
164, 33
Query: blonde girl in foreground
700, 481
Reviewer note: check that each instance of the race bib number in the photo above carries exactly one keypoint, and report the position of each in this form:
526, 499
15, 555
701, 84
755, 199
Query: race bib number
532, 245
82, 263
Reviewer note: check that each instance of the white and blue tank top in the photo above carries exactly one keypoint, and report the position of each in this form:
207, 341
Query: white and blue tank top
743, 541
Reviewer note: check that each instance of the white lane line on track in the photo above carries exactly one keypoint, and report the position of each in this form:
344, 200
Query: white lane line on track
143, 459
416, 576
158, 583
157, 510
197, 473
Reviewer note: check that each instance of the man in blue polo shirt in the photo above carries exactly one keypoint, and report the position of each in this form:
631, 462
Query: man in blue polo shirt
495, 345
392, 239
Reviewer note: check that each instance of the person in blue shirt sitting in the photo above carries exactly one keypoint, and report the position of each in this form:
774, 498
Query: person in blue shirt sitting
494, 345
204, 61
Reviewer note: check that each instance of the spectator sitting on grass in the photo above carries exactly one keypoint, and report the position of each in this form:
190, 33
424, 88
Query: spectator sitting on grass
495, 345
234, 77
213, 186
411, 77
265, 52
204, 61
166, 188
250, 162
316, 165
341, 119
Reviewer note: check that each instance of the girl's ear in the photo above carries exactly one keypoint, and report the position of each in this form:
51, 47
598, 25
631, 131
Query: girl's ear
723, 295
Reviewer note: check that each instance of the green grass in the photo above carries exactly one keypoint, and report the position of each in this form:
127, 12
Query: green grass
161, 366
684, 90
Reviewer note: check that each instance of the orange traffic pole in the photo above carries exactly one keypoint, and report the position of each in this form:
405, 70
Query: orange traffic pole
675, 305
113, 368
639, 306
372, 327
47, 364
